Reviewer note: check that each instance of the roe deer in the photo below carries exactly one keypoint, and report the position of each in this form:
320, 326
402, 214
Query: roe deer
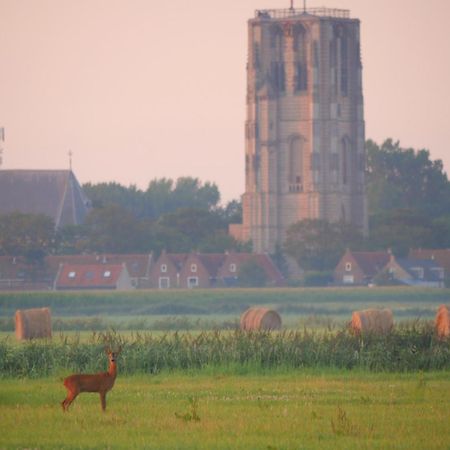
99, 382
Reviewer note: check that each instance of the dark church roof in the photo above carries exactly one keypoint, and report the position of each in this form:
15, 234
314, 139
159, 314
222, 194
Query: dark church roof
55, 193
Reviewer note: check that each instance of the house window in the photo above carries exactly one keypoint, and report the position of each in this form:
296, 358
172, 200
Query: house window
163, 268
71, 274
164, 283
192, 282
107, 274
233, 267
193, 267
348, 267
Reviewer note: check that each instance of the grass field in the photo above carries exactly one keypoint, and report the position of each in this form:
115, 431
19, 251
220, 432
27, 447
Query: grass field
202, 309
213, 410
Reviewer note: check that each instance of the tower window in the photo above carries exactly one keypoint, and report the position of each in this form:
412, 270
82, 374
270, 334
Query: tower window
344, 65
301, 80
278, 76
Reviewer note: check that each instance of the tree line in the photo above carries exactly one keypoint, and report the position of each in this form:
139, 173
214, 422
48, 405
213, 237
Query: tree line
408, 203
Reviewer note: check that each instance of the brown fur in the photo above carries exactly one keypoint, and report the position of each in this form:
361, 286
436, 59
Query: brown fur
99, 382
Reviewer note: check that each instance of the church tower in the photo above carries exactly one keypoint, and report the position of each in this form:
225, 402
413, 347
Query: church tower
304, 133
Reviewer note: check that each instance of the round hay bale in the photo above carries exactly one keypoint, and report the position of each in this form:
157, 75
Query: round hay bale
260, 319
379, 321
442, 322
33, 323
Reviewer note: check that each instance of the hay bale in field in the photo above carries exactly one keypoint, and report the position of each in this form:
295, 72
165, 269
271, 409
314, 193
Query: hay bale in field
260, 319
33, 323
379, 321
442, 322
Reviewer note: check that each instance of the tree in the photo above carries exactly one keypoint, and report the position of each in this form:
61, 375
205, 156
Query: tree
162, 196
113, 229
405, 178
402, 229
190, 193
194, 224
251, 274
318, 244
28, 235
114, 194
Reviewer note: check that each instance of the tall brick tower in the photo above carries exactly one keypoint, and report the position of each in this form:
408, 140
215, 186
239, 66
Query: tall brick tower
304, 155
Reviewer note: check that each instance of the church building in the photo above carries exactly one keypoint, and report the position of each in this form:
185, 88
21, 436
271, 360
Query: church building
304, 131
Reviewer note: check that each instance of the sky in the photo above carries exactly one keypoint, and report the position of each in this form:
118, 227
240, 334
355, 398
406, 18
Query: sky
145, 89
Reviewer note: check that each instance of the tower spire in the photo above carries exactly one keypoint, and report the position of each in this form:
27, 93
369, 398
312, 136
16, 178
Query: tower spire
292, 5
70, 160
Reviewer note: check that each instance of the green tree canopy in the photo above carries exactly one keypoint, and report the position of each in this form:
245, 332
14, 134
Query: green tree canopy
113, 229
251, 274
28, 235
318, 244
161, 197
399, 178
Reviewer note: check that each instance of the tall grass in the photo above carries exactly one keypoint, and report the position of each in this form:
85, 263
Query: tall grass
409, 348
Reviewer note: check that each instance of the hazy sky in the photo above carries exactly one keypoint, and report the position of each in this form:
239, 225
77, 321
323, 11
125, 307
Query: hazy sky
140, 89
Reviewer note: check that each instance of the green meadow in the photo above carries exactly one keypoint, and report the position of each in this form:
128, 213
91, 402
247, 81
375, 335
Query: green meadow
188, 379
301, 409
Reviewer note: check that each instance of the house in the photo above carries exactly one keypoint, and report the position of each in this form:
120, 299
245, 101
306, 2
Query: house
165, 272
228, 272
359, 268
17, 274
138, 265
201, 270
439, 256
93, 276
415, 272
54, 193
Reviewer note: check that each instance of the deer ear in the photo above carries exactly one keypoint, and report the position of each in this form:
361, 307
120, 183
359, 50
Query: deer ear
107, 350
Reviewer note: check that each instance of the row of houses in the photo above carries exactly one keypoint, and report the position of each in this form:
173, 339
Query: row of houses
204, 270
422, 267
123, 272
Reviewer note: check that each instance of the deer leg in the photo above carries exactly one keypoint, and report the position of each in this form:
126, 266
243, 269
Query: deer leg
103, 400
71, 396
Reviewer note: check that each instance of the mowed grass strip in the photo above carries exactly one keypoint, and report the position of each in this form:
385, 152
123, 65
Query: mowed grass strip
294, 410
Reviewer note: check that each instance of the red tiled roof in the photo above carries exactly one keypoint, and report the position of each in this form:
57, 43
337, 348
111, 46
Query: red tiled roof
212, 262
441, 256
137, 264
371, 262
177, 259
271, 270
13, 267
89, 276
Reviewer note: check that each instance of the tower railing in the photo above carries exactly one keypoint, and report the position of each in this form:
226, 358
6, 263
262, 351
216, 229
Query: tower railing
296, 12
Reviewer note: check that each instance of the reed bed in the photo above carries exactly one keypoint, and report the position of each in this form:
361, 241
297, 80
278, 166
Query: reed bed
409, 348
